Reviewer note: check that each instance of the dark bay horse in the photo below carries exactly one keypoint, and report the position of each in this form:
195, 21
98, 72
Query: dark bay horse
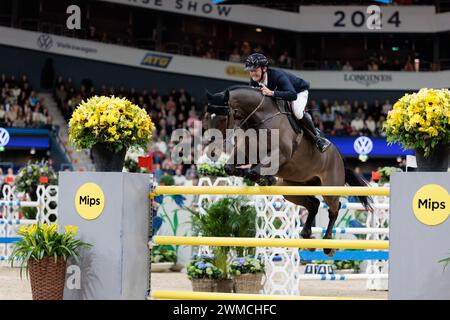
300, 163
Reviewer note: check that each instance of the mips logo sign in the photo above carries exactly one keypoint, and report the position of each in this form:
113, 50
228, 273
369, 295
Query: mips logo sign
431, 204
89, 201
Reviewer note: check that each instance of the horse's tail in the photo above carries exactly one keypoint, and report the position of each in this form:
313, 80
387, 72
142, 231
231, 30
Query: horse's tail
355, 180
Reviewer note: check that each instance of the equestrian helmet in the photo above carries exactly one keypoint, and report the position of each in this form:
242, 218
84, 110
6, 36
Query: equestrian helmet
256, 60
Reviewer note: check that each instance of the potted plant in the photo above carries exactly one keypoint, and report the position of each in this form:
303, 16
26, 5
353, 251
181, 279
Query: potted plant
203, 273
347, 266
421, 121
385, 174
109, 126
247, 273
228, 217
44, 251
29, 178
163, 258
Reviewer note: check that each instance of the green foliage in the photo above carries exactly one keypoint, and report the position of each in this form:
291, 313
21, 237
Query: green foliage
166, 180
28, 177
163, 254
228, 217
385, 173
246, 265
445, 261
43, 240
202, 267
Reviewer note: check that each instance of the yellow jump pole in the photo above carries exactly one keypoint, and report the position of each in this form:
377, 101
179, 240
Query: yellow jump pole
186, 295
274, 190
261, 242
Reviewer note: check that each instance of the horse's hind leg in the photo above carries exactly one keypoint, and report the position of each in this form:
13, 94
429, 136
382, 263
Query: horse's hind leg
334, 206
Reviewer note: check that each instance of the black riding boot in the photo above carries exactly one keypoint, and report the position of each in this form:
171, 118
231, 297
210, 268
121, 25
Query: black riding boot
321, 142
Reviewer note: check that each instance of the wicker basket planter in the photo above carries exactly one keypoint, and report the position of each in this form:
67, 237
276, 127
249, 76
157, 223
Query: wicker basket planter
248, 283
47, 278
225, 285
203, 285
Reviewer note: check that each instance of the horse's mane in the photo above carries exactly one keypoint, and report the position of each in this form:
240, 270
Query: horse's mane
243, 86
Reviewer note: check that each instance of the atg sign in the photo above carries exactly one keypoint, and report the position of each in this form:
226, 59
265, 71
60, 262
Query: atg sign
156, 60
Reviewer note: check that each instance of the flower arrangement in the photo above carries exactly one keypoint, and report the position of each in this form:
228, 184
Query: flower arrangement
420, 120
114, 121
209, 168
202, 267
246, 265
385, 173
40, 241
34, 174
163, 254
132, 160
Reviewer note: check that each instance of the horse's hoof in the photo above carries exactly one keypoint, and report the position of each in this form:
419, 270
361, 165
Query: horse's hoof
305, 235
329, 252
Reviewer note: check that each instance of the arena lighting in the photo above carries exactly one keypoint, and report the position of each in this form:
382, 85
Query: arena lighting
395, 48
32, 151
258, 29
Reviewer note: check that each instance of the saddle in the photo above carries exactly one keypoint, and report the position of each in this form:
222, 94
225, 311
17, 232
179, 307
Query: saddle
286, 108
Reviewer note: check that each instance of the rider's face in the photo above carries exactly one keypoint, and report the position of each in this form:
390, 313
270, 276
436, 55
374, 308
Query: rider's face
256, 74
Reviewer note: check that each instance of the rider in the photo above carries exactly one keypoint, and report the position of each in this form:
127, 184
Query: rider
286, 86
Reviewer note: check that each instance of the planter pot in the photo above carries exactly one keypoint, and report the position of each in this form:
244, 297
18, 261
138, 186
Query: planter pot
224, 286
345, 271
162, 266
248, 283
202, 285
106, 160
437, 160
47, 278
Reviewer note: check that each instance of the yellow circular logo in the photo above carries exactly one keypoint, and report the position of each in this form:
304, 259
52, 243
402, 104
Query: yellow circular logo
89, 201
431, 204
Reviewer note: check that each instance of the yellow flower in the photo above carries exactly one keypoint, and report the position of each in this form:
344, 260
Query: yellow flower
71, 230
112, 130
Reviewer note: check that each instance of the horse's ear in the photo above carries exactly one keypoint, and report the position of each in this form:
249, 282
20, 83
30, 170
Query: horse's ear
208, 94
226, 97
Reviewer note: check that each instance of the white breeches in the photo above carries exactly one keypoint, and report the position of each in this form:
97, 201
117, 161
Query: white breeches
299, 105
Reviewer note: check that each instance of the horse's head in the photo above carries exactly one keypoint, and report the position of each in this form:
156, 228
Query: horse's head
234, 104
217, 114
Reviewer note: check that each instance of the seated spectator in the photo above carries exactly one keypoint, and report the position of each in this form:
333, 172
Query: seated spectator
396, 66
285, 60
328, 119
337, 66
347, 66
373, 66
371, 125
179, 179
346, 110
20, 121
357, 124
11, 115
325, 65
191, 172
235, 56
246, 49
10, 178
409, 65
318, 122
380, 124
2, 116
338, 127
386, 107
157, 172
336, 108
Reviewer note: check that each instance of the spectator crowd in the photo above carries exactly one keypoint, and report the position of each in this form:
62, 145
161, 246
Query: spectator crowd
178, 109
20, 106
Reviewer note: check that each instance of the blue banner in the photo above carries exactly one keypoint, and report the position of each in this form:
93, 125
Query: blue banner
27, 139
380, 148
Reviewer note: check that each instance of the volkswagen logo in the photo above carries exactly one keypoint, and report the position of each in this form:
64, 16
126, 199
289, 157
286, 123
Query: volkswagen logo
45, 41
4, 137
363, 145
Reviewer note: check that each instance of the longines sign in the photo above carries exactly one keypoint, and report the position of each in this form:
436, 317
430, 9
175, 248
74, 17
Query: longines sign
367, 79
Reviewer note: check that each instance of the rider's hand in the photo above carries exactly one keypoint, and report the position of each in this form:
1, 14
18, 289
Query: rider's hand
266, 91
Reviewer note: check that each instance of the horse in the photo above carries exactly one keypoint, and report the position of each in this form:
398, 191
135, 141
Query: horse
300, 163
